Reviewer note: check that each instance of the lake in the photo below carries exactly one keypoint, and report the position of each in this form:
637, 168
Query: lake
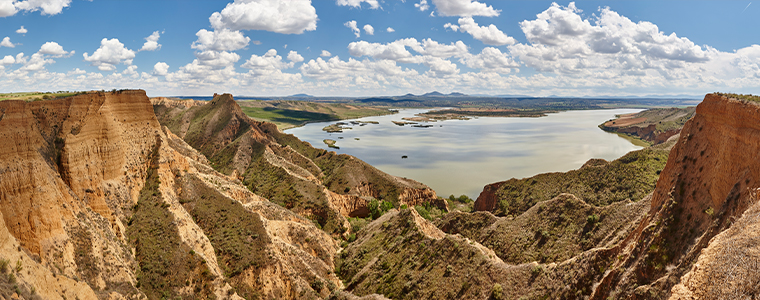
461, 156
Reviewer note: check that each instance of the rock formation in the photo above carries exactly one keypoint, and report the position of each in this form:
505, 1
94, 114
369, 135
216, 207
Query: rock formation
98, 201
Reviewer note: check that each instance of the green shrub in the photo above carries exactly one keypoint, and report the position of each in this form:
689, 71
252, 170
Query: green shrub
4, 265
497, 292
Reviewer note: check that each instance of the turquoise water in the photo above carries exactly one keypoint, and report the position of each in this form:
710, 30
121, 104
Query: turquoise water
461, 156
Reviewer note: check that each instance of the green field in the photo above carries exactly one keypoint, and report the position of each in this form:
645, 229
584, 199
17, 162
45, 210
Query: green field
289, 114
35, 96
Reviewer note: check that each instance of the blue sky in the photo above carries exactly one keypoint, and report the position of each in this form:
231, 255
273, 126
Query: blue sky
381, 47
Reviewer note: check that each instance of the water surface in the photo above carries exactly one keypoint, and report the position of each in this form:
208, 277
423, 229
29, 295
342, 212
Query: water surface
461, 156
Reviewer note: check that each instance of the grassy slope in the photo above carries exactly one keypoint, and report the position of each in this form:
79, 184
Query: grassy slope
632, 176
166, 264
288, 114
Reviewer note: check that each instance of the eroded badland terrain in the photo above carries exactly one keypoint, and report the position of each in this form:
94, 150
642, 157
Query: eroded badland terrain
109, 195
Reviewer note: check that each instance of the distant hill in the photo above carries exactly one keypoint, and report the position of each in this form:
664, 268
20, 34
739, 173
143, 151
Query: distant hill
301, 96
432, 94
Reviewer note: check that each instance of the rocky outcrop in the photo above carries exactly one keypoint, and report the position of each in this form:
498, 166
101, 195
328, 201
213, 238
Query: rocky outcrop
98, 201
710, 180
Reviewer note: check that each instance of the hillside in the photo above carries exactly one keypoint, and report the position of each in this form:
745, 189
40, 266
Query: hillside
694, 237
597, 182
322, 186
99, 201
653, 126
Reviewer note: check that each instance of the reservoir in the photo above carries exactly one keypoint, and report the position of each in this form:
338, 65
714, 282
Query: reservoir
461, 156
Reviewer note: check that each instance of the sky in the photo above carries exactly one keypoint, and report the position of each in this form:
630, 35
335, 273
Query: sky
381, 47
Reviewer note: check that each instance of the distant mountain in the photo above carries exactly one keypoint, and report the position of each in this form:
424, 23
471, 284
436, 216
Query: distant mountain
301, 96
432, 94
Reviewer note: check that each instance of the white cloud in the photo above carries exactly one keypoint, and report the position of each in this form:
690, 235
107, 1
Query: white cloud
48, 7
110, 53
268, 63
160, 69
357, 3
217, 59
464, 8
7, 60
22, 30
52, 48
36, 62
423, 5
220, 40
130, 71
151, 42
7, 43
295, 57
562, 41
440, 67
490, 60
490, 35
390, 29
344, 72
352, 25
292, 16
397, 50
369, 29
325, 53
257, 42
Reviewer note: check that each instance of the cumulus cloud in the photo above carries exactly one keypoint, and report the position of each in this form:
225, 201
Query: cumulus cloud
52, 48
48, 7
369, 29
268, 63
463, 8
357, 3
325, 53
397, 50
160, 69
290, 17
341, 71
216, 59
390, 29
295, 57
21, 30
423, 5
110, 53
562, 41
352, 25
490, 60
36, 62
7, 60
490, 35
7, 43
151, 42
220, 40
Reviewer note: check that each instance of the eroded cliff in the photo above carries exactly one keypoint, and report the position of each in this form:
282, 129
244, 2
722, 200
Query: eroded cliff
98, 201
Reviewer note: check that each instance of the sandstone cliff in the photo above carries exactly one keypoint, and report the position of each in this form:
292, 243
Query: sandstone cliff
98, 201
316, 184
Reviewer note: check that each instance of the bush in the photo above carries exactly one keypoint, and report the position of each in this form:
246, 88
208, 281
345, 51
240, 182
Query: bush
497, 292
4, 265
